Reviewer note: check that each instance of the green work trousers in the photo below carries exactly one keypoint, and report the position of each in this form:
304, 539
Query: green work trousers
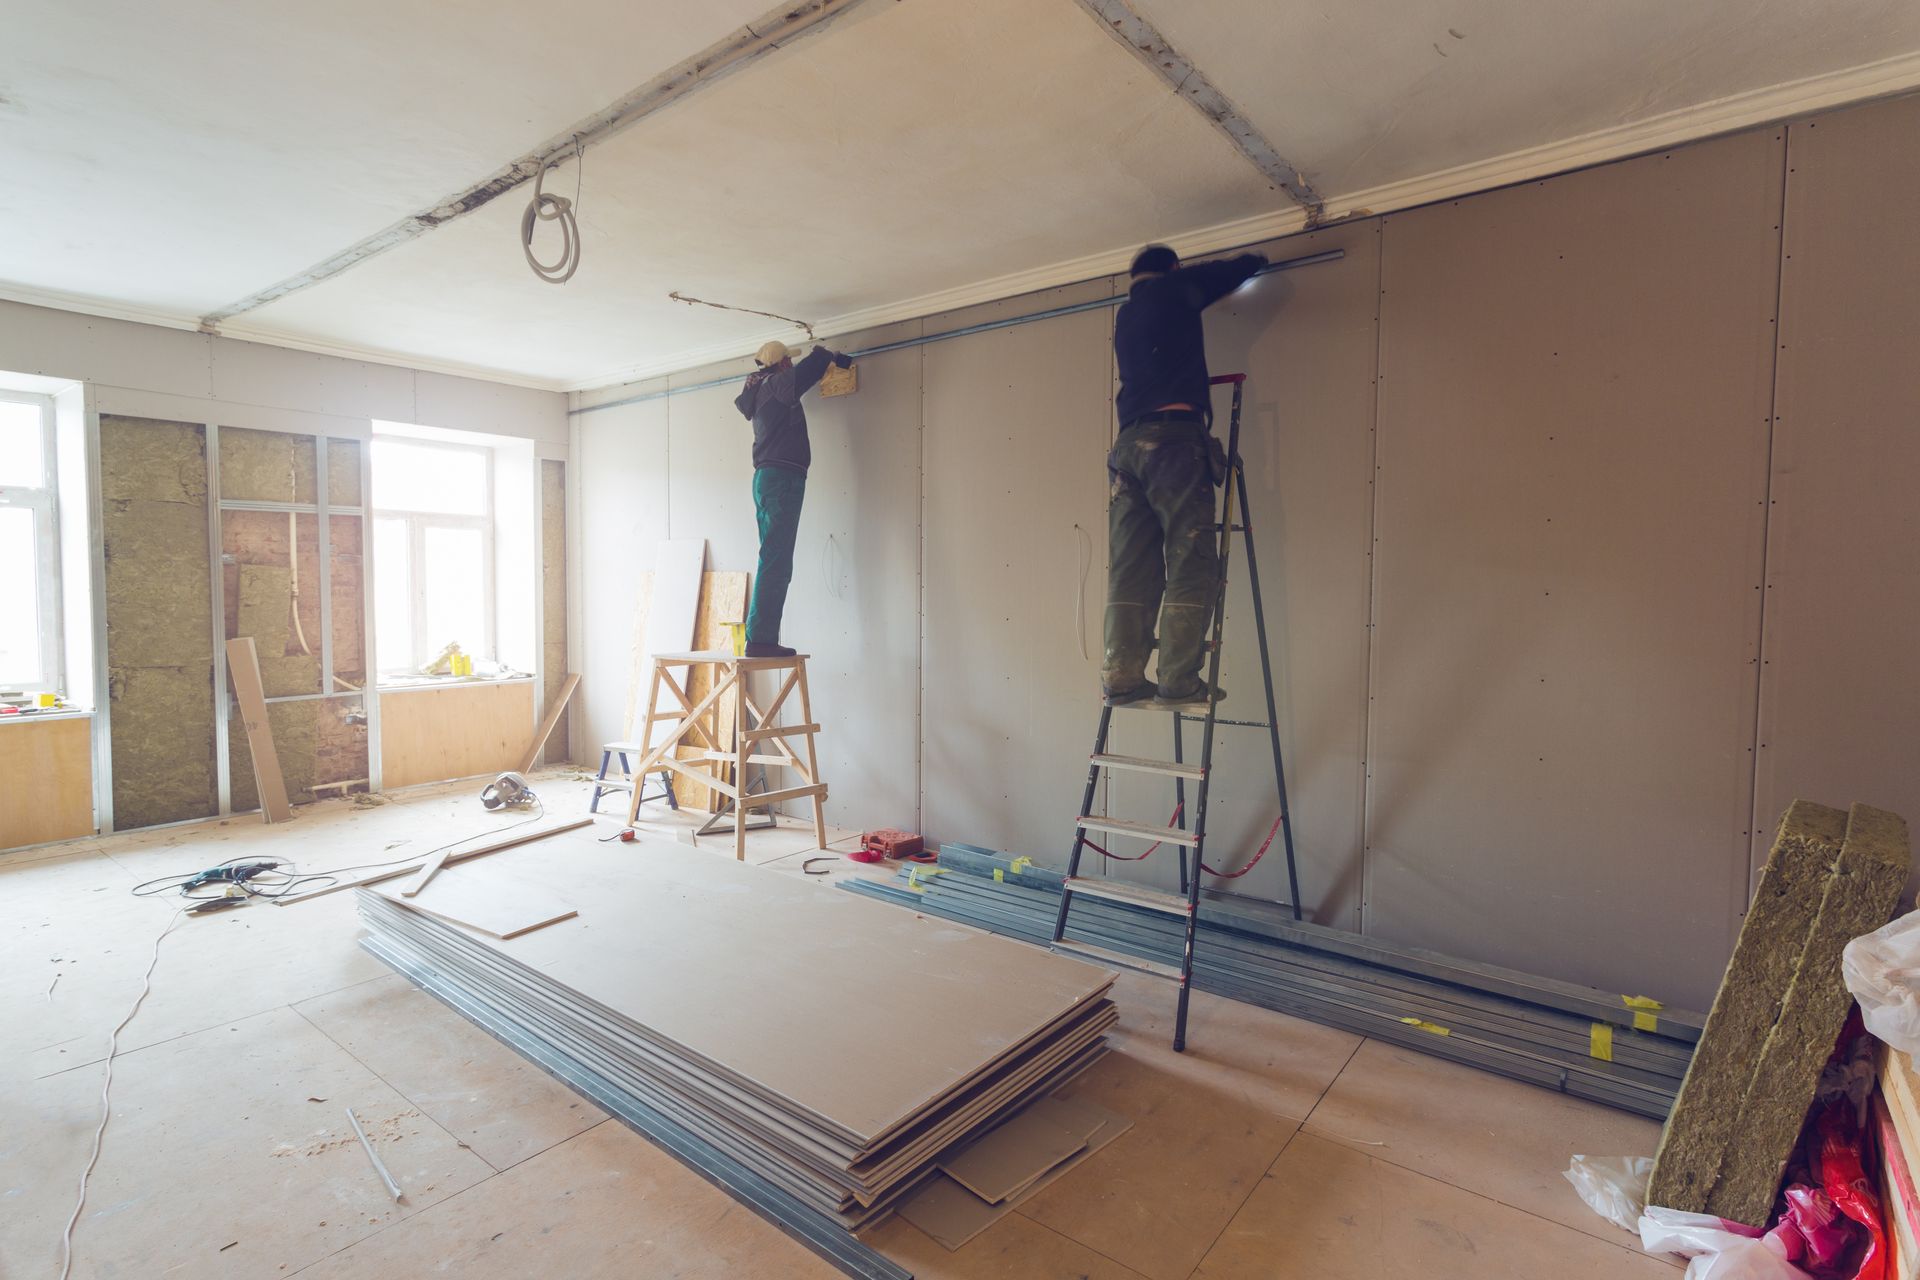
1163, 561
777, 494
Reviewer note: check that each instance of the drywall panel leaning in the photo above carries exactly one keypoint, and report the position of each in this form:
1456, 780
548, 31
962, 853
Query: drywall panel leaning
1015, 502
1839, 704
1574, 387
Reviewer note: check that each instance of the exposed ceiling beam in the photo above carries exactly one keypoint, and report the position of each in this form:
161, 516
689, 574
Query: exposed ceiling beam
762, 36
1145, 42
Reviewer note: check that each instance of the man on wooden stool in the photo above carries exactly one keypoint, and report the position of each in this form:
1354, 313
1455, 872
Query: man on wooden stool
781, 455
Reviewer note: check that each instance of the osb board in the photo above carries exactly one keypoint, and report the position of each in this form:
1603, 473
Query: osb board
343, 473
456, 731
723, 599
159, 607
748, 947
1838, 702
266, 466
319, 740
1575, 378
46, 780
553, 598
258, 593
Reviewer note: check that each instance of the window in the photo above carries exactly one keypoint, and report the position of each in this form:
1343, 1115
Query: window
30, 637
432, 551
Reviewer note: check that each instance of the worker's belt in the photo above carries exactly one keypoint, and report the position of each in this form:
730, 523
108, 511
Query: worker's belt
1168, 417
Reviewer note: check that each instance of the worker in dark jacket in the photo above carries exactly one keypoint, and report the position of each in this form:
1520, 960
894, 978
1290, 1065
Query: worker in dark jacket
781, 455
1163, 559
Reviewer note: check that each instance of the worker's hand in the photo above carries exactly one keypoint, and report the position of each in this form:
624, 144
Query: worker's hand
843, 360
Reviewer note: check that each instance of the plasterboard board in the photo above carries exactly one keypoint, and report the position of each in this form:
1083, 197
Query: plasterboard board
1575, 381
749, 946
486, 898
1839, 699
671, 608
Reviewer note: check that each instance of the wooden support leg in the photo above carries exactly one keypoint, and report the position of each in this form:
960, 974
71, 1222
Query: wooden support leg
740, 749
646, 742
813, 760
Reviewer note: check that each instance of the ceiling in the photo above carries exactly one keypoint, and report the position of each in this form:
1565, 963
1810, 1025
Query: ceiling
166, 161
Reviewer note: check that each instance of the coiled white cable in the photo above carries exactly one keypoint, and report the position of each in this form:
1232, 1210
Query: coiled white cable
546, 208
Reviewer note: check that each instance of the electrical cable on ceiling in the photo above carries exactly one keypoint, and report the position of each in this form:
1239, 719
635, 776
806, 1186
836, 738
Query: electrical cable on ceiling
106, 1094
559, 209
677, 296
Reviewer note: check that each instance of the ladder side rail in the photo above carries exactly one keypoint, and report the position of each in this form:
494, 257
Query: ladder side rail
1266, 674
1080, 832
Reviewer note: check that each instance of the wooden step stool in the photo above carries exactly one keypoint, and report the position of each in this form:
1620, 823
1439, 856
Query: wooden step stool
723, 760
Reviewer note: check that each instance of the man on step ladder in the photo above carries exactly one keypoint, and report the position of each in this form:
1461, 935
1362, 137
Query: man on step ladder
1163, 561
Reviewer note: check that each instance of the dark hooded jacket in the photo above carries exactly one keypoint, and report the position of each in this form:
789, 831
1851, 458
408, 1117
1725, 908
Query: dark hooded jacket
771, 401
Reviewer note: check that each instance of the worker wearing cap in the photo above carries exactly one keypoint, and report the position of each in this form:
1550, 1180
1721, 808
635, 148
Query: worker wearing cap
781, 455
1163, 561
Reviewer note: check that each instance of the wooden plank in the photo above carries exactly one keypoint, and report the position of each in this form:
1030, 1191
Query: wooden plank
453, 731
778, 731
463, 855
46, 779
489, 899
243, 668
428, 870
552, 718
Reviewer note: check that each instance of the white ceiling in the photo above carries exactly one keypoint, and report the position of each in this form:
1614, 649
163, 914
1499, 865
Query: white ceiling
163, 161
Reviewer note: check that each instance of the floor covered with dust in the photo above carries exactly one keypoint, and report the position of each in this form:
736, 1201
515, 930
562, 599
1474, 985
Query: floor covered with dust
1271, 1148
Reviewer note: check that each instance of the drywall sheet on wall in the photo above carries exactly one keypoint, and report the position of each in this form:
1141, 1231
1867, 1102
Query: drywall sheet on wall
620, 471
46, 780
1307, 340
553, 598
1575, 383
1015, 500
855, 600
458, 731
1840, 689
672, 607
159, 603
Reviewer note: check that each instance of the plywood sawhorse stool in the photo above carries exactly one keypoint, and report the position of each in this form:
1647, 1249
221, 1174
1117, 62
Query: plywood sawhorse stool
697, 725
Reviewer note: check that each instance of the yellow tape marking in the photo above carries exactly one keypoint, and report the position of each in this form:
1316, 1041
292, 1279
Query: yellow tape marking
1434, 1028
1020, 864
999, 875
1600, 1042
1644, 1010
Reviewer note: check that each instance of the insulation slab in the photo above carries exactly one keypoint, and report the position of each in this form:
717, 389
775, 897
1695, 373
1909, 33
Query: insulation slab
1860, 897
1765, 959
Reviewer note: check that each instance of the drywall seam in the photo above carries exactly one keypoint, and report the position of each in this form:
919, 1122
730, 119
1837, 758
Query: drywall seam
1766, 529
1153, 50
1731, 114
1373, 581
737, 49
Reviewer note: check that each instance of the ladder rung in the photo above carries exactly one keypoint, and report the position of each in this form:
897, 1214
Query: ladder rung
1238, 528
1119, 959
613, 784
1138, 895
1145, 830
1140, 764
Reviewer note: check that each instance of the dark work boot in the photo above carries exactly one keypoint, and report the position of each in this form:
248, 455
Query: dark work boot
755, 649
1142, 693
1196, 700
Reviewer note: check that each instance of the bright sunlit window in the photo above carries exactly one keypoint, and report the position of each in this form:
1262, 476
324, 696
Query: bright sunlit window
432, 551
29, 547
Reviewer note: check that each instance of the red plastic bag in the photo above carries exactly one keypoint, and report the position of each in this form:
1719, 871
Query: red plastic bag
1831, 1224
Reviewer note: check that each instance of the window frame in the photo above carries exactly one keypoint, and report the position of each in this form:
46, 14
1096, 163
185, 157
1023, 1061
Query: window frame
417, 524
44, 502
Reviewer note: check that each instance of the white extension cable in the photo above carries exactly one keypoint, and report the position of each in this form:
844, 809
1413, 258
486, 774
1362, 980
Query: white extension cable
558, 209
106, 1090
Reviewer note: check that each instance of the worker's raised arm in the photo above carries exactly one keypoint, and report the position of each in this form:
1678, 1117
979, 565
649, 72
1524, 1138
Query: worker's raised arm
1208, 282
810, 368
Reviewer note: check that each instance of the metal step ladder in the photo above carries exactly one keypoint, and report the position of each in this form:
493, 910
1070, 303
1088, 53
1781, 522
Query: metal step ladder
1186, 903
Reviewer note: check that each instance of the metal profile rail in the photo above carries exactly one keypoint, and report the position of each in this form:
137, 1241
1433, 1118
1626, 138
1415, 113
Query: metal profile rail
985, 326
1446, 1011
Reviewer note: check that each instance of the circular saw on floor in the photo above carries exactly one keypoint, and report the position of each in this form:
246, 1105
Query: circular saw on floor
508, 791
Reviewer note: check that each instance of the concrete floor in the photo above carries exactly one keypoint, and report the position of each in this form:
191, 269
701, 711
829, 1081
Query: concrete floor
1272, 1148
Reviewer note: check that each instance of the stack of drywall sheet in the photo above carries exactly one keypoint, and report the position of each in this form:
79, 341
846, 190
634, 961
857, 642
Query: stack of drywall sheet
1626, 1051
834, 1047
1831, 877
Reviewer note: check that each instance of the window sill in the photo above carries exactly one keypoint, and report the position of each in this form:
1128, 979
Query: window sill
39, 717
412, 683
